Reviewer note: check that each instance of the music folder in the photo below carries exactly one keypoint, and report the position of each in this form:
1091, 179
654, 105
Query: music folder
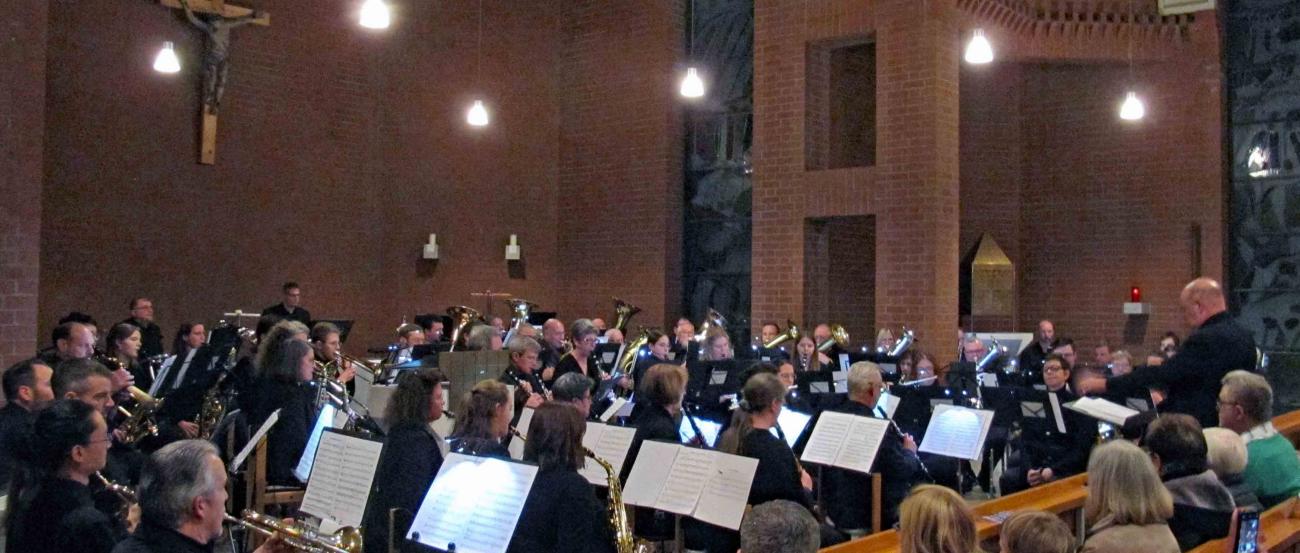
473, 504
1102, 410
609, 443
341, 476
846, 441
957, 432
707, 485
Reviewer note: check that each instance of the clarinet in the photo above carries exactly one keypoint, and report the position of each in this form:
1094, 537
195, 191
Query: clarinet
900, 432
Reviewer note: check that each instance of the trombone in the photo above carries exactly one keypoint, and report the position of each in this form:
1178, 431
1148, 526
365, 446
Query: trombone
300, 536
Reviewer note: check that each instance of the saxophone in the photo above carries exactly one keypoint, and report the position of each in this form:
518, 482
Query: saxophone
624, 541
213, 409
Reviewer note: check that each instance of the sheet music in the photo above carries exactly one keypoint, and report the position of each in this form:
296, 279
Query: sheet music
339, 487
613, 409
609, 443
722, 499
889, 402
253, 441
474, 503
861, 444
1056, 411
324, 419
792, 424
956, 432
1101, 409
516, 446
650, 469
827, 438
691, 470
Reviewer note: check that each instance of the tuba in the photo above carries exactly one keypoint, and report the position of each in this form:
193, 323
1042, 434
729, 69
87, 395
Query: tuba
712, 320
623, 312
839, 337
628, 360
300, 536
791, 333
519, 310
461, 317
904, 342
995, 352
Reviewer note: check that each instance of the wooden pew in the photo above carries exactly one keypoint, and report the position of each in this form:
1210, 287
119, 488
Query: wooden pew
1288, 425
1279, 526
1063, 497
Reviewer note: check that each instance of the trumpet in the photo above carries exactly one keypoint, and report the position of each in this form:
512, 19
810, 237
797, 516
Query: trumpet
839, 336
300, 536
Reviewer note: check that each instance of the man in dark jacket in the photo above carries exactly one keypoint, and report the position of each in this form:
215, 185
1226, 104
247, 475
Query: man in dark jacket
182, 496
291, 307
1193, 376
1047, 453
847, 492
1202, 504
27, 388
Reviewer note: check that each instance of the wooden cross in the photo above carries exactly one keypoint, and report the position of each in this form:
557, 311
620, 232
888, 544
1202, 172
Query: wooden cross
216, 23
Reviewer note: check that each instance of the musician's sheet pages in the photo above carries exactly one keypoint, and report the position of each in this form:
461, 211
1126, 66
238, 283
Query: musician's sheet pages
1103, 410
792, 424
516, 446
957, 432
614, 408
473, 504
257, 437
324, 419
845, 441
708, 485
609, 443
341, 476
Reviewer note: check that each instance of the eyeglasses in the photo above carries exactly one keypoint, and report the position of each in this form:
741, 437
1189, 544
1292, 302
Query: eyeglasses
1053, 369
101, 440
1221, 403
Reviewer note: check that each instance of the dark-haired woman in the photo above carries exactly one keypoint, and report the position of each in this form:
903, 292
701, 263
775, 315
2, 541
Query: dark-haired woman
484, 421
284, 385
659, 349
411, 457
50, 504
562, 512
122, 344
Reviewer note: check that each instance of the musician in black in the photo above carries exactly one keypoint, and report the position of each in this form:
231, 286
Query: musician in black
553, 348
291, 307
50, 504
27, 387
182, 495
846, 492
122, 345
190, 359
1045, 453
151, 337
581, 359
717, 346
562, 512
684, 340
1032, 357
522, 375
411, 457
483, 421
660, 396
807, 358
70, 340
325, 339
284, 383
574, 389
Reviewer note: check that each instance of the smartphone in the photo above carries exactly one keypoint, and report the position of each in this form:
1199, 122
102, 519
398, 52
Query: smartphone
1247, 532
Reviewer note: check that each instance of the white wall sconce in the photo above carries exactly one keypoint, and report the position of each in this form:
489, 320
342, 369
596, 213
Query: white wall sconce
431, 249
512, 249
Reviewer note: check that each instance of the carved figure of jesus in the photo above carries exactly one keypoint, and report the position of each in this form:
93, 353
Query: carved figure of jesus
216, 51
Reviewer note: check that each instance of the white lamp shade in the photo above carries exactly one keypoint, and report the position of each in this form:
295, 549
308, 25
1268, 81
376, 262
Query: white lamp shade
375, 15
979, 51
478, 115
1132, 109
166, 60
692, 84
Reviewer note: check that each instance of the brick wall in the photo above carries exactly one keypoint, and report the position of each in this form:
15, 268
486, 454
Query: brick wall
620, 175
22, 132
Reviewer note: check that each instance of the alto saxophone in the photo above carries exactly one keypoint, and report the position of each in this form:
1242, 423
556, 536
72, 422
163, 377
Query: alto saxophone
213, 409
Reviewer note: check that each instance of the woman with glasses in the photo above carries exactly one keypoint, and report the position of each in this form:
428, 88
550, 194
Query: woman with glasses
50, 504
1046, 453
581, 359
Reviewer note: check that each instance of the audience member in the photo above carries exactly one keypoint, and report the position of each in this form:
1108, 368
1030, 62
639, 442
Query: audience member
1035, 532
1127, 508
1202, 505
1226, 456
934, 519
1246, 407
779, 526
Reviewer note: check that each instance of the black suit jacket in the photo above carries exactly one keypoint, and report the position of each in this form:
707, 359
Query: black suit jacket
562, 514
1031, 363
1065, 453
848, 499
61, 518
15, 430
409, 462
1193, 376
300, 314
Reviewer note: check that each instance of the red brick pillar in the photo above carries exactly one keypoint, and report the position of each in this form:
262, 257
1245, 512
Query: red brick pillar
22, 137
918, 51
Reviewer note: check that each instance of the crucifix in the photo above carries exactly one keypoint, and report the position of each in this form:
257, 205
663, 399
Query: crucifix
216, 19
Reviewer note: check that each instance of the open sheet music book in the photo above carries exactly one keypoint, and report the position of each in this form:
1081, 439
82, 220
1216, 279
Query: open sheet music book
339, 487
516, 446
609, 443
845, 441
1102, 410
473, 504
329, 417
957, 432
708, 485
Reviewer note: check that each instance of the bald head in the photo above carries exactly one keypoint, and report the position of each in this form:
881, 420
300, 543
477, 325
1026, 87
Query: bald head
553, 333
1201, 299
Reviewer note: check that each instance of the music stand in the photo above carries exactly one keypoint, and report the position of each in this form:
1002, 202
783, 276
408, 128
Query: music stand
538, 318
